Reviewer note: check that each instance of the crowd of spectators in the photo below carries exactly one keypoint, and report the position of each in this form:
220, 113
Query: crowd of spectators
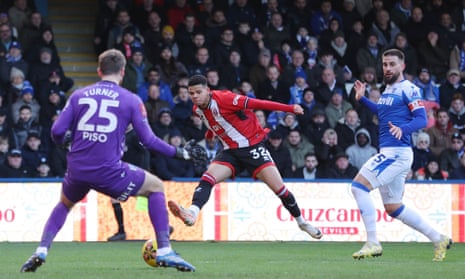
33, 90
295, 52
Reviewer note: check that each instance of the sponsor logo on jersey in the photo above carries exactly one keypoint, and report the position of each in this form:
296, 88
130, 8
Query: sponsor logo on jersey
125, 195
386, 101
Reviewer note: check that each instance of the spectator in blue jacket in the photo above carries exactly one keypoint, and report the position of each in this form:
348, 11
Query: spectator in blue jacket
320, 20
153, 77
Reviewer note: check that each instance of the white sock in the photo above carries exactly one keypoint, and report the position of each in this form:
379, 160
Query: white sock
163, 251
412, 219
42, 250
195, 211
300, 220
367, 211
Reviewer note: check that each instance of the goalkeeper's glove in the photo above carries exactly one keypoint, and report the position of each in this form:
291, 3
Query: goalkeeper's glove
197, 153
182, 153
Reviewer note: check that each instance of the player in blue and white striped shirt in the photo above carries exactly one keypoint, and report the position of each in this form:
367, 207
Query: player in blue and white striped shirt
400, 112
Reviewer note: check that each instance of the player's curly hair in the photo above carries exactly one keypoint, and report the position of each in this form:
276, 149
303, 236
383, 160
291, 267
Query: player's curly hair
197, 80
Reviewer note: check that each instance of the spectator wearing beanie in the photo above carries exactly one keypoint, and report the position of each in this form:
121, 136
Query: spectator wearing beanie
26, 98
136, 70
13, 58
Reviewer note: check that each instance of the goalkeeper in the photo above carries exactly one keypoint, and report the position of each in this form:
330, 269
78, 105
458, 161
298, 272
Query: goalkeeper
97, 117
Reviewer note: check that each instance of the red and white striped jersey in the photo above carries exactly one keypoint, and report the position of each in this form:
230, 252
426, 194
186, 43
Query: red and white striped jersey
230, 117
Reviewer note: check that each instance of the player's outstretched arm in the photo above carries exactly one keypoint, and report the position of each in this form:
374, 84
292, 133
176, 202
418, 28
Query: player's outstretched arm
145, 134
298, 109
271, 105
151, 141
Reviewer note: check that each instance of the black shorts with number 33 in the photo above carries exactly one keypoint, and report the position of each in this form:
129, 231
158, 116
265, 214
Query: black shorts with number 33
253, 159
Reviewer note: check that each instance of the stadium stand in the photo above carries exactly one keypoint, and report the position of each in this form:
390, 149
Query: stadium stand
78, 33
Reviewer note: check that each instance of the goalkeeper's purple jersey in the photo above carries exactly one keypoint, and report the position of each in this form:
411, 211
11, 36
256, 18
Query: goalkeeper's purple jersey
97, 117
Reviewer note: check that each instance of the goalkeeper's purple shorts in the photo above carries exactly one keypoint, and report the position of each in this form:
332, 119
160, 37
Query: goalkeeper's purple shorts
119, 182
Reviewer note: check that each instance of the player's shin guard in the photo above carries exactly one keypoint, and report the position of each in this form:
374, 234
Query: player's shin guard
203, 191
159, 217
54, 223
289, 202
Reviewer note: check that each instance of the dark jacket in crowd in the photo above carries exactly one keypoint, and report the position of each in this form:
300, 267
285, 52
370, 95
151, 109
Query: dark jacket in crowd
282, 159
166, 167
7, 171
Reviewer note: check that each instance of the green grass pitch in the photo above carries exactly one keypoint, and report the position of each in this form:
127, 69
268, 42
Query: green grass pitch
290, 260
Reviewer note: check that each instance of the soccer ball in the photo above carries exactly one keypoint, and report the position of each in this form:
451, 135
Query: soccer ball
149, 252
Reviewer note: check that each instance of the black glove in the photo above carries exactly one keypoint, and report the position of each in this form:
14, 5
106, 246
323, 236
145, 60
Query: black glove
197, 153
182, 153
190, 144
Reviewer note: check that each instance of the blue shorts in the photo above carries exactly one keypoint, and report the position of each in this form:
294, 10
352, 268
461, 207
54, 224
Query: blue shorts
120, 182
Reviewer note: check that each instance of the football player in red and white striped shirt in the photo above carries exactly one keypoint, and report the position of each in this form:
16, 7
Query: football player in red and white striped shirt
230, 117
